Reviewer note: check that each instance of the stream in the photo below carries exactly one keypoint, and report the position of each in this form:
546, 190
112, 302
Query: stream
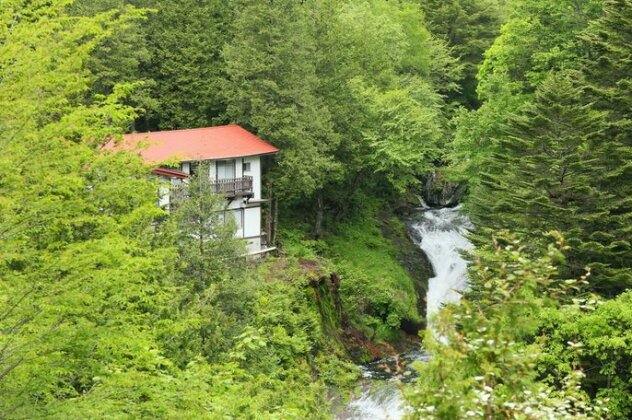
440, 233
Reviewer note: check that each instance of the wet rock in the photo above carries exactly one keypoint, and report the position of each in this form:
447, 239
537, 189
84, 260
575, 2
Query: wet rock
438, 192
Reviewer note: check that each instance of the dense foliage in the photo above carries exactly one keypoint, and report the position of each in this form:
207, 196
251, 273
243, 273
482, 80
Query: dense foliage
293, 72
106, 306
469, 27
548, 150
558, 156
482, 365
111, 306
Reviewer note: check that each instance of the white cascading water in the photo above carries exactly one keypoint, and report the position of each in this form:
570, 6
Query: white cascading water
440, 233
381, 397
382, 401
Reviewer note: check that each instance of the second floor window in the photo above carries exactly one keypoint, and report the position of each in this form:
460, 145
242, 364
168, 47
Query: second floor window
225, 169
193, 168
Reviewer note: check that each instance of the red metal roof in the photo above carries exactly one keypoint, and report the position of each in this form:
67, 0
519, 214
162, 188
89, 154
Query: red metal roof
221, 142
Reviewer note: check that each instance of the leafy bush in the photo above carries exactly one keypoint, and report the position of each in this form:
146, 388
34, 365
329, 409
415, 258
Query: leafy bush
485, 351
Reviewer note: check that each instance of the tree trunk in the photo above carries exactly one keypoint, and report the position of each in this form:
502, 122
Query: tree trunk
275, 223
320, 213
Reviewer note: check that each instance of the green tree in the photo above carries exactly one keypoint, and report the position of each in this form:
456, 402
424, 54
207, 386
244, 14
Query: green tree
205, 234
271, 88
78, 262
381, 75
185, 40
402, 132
538, 38
122, 55
546, 173
607, 70
594, 210
602, 331
549, 149
469, 28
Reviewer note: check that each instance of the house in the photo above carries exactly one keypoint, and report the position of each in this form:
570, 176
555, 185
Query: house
233, 156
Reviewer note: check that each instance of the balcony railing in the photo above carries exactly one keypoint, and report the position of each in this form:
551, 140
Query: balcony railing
228, 187
232, 187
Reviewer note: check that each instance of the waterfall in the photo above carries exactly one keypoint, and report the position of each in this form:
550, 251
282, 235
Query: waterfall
381, 397
440, 233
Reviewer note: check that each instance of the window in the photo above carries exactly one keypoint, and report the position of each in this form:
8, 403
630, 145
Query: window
237, 215
246, 167
239, 218
193, 167
225, 169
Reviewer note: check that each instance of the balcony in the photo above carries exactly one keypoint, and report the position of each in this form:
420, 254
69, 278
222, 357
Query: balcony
233, 187
230, 188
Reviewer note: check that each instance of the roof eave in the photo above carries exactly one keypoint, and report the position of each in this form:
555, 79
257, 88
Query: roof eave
229, 157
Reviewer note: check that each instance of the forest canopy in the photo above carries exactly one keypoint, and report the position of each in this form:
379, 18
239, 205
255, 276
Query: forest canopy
521, 110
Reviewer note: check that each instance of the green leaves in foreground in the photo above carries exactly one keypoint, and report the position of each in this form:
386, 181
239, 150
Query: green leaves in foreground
485, 351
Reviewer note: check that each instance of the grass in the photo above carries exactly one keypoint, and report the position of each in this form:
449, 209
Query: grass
361, 243
376, 290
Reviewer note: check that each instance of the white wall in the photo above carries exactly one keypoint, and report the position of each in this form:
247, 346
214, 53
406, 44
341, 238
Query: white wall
251, 215
164, 200
212, 169
241, 226
163, 192
253, 245
255, 173
252, 222
186, 168
239, 166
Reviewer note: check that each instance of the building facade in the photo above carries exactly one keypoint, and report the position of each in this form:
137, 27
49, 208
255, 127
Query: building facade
233, 157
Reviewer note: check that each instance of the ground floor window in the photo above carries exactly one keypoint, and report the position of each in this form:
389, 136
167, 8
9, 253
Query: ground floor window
237, 215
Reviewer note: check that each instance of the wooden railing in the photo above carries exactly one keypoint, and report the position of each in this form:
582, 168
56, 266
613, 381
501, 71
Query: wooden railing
177, 194
233, 186
227, 187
